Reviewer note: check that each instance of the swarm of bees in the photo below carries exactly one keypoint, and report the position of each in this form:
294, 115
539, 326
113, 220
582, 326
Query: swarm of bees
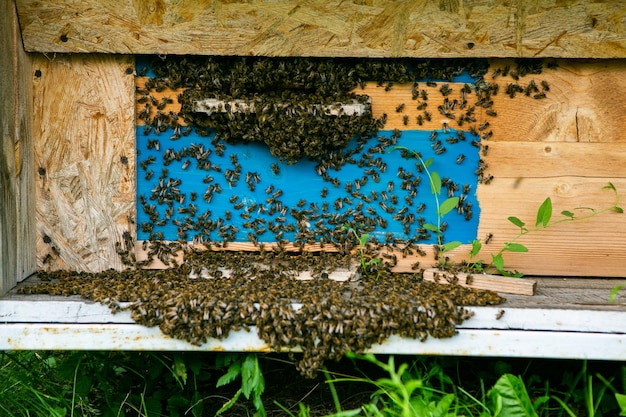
216, 292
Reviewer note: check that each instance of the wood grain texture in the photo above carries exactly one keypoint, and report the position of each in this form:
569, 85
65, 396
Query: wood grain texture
497, 283
583, 104
593, 247
386, 28
17, 259
84, 134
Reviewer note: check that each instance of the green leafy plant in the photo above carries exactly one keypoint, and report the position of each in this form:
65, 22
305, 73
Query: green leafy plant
252, 382
370, 267
407, 391
543, 221
441, 207
510, 398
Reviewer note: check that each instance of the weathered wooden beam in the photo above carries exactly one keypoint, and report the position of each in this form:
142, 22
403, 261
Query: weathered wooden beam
388, 28
17, 253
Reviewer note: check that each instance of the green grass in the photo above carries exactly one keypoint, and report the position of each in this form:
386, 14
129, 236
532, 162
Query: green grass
151, 384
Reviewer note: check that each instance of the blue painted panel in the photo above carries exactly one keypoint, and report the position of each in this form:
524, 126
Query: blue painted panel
302, 188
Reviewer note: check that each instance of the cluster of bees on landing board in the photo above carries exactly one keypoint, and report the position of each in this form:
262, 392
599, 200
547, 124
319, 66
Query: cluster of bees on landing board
333, 317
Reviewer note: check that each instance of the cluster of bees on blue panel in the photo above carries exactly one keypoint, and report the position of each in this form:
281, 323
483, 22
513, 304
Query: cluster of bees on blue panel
285, 151
275, 157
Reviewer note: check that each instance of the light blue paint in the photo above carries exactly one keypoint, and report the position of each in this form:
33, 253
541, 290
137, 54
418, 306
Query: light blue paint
301, 181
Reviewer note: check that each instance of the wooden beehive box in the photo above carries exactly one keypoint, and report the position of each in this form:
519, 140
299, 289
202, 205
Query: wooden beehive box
69, 127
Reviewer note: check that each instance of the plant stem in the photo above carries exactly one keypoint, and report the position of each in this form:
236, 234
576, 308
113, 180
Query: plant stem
433, 188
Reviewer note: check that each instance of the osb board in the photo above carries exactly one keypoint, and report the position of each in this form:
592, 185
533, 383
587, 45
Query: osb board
84, 159
17, 253
386, 28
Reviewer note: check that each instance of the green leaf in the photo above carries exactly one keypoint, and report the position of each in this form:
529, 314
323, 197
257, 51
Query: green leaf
428, 162
544, 213
509, 393
233, 372
515, 247
229, 403
498, 261
618, 209
476, 246
363, 239
251, 376
447, 206
614, 292
610, 186
431, 227
435, 183
180, 370
451, 245
517, 222
568, 214
621, 401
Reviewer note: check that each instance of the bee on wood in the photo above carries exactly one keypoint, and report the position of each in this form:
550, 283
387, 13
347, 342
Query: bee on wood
445, 90
400, 108
488, 238
499, 314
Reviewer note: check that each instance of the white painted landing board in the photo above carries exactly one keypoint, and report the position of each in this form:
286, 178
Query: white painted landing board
566, 319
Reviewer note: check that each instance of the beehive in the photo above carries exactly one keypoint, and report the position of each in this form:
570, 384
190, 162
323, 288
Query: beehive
69, 163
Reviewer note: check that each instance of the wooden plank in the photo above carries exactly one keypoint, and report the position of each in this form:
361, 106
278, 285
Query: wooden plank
17, 259
84, 134
592, 247
521, 160
506, 285
582, 104
468, 342
320, 28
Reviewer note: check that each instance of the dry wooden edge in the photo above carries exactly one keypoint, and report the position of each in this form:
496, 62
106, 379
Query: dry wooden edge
357, 29
497, 283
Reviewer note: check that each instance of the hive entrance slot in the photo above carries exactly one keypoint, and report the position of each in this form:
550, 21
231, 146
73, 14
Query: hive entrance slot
213, 105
